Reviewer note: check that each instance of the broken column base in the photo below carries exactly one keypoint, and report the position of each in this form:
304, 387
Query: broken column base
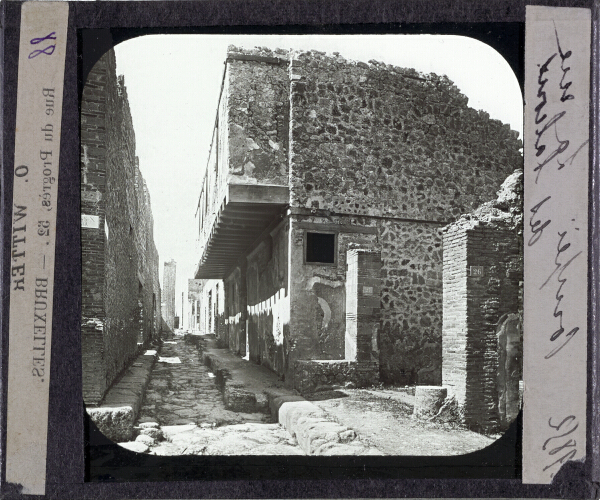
428, 400
321, 375
438, 404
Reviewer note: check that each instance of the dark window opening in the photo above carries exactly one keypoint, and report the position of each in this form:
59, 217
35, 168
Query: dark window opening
320, 248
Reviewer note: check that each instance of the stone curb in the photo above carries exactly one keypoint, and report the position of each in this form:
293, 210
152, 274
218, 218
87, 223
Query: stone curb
120, 406
236, 396
315, 432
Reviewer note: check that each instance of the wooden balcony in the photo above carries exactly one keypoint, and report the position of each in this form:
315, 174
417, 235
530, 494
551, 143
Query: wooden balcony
246, 212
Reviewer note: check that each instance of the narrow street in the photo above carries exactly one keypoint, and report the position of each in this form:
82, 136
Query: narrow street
183, 390
183, 412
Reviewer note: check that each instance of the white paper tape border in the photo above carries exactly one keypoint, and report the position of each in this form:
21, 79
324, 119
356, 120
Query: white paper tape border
42, 51
556, 142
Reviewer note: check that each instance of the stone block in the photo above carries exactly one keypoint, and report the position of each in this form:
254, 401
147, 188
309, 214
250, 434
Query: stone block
145, 439
276, 402
153, 432
115, 423
290, 412
239, 400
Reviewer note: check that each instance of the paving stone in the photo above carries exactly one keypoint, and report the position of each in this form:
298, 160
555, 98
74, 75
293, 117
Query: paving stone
145, 439
290, 412
275, 402
135, 446
185, 408
238, 399
153, 432
145, 418
147, 425
169, 430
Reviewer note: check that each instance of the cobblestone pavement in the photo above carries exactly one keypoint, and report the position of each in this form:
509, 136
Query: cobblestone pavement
183, 412
182, 390
238, 439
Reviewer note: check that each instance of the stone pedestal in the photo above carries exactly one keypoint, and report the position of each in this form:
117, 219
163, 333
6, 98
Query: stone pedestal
428, 400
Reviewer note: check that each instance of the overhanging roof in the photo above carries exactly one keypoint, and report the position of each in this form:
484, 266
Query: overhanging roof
247, 211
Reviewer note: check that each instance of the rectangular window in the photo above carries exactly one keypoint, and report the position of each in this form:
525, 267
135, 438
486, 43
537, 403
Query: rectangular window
320, 248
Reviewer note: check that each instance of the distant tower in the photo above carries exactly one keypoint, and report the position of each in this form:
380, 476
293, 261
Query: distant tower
168, 294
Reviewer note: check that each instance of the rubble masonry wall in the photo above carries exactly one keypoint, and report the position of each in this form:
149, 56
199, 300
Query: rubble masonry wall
118, 251
258, 119
376, 140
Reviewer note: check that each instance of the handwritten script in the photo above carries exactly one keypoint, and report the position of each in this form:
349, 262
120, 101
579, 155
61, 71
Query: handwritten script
556, 141
553, 150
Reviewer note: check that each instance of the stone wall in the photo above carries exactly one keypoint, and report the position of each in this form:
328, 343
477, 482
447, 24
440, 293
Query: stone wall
194, 297
319, 375
411, 301
120, 287
363, 311
374, 140
233, 334
210, 301
318, 294
258, 116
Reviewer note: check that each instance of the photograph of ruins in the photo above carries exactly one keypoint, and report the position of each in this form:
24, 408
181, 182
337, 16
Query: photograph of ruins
340, 269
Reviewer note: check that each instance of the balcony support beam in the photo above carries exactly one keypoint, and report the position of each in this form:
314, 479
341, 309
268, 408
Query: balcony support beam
247, 211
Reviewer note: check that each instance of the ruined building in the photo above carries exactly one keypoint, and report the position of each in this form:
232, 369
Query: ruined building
168, 294
194, 298
120, 287
328, 185
205, 299
482, 334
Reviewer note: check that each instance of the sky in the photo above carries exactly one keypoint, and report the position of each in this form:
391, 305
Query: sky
173, 84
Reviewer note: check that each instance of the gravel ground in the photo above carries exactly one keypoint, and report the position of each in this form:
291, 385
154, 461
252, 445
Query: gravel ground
383, 417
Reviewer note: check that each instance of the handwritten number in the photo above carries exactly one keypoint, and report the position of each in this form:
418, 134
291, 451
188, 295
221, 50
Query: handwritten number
558, 428
49, 50
562, 459
51, 36
570, 443
563, 421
